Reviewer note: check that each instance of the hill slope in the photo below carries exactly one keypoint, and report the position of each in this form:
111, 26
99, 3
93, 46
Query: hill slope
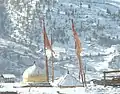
97, 24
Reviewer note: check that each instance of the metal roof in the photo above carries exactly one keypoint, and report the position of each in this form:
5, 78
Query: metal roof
69, 80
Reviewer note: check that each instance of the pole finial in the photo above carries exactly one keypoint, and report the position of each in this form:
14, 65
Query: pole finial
34, 62
68, 71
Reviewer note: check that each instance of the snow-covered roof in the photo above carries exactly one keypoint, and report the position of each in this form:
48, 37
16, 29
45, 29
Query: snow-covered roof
8, 76
69, 80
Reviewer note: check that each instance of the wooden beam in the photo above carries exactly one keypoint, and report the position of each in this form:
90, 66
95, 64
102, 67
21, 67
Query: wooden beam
111, 71
118, 76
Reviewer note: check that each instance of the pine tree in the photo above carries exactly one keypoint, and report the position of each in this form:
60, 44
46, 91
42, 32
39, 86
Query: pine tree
108, 11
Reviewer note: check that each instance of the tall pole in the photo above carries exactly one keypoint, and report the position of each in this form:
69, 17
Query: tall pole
47, 74
52, 60
46, 59
78, 51
81, 70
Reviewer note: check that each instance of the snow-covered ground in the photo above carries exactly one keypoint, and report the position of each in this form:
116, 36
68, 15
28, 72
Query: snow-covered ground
48, 90
90, 89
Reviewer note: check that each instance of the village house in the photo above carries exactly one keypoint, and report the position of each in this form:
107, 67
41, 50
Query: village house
7, 78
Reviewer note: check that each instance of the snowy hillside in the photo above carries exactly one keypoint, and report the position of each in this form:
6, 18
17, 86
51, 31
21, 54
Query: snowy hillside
97, 24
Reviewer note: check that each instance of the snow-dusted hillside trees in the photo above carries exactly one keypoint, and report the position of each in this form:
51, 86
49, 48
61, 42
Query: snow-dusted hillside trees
96, 21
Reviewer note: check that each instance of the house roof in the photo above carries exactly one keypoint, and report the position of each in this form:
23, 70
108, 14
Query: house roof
69, 80
8, 76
